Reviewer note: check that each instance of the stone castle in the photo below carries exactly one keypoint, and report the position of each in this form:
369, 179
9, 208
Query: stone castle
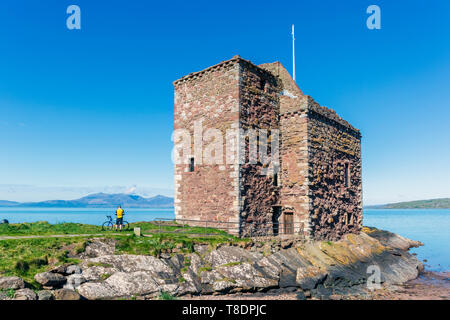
315, 189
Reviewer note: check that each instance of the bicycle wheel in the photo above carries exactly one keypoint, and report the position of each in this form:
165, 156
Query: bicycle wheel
107, 226
125, 225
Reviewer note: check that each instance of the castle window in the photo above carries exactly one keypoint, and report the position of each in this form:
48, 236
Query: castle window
275, 179
191, 164
346, 174
263, 85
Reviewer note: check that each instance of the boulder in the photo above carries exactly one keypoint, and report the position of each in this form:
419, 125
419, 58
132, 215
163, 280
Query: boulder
50, 279
98, 248
4, 296
66, 294
14, 283
45, 295
66, 270
59, 269
243, 276
74, 281
131, 263
25, 294
98, 273
247, 276
124, 284
73, 269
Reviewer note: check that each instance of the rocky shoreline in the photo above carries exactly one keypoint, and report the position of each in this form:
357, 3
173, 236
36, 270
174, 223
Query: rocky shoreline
269, 268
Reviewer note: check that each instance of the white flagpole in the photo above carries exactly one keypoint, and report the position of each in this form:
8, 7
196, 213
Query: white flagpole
293, 53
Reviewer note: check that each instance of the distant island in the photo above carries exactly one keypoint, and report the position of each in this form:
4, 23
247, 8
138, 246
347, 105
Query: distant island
99, 200
442, 203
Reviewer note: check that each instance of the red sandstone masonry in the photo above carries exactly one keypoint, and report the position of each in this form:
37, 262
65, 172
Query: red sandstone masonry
210, 192
317, 147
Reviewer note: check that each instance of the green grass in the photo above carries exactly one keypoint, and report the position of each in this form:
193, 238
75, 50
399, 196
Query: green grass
231, 264
27, 257
10, 293
99, 264
105, 276
45, 228
166, 296
167, 242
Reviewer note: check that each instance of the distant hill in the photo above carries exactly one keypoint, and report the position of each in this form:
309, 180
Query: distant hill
443, 203
4, 203
99, 200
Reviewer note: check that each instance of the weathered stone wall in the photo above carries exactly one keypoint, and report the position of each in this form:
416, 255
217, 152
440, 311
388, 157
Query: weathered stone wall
211, 96
259, 105
333, 145
294, 178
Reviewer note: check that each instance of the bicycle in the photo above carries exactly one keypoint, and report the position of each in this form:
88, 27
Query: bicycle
110, 223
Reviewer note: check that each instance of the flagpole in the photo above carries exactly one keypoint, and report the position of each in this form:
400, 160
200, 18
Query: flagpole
293, 53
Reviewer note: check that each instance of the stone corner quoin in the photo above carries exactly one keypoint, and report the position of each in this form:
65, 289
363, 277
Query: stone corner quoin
316, 191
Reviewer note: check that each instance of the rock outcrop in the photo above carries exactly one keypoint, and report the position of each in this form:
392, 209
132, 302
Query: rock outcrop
320, 269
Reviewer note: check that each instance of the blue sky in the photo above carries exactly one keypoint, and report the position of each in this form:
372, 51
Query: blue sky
92, 109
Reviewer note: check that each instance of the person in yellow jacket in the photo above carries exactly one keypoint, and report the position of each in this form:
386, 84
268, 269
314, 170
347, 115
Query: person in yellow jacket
119, 220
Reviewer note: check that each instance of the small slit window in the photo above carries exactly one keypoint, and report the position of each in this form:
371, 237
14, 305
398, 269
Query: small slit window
346, 175
191, 164
275, 179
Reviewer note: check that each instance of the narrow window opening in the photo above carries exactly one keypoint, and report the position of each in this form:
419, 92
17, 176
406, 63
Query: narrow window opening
262, 84
275, 179
275, 220
346, 175
191, 164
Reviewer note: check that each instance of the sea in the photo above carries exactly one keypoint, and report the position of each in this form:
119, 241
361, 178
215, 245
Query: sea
430, 226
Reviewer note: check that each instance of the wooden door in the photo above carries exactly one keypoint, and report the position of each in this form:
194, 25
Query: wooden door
288, 223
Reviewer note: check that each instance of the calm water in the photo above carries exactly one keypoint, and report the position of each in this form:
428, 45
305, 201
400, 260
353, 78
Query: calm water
88, 216
432, 227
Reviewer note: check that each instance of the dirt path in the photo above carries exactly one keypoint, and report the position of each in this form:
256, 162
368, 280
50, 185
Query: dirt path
59, 236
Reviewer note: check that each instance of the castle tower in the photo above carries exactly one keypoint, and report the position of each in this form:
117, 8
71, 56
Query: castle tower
311, 187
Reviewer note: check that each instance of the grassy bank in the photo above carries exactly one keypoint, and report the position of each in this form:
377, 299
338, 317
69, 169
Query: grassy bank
45, 228
42, 228
26, 257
